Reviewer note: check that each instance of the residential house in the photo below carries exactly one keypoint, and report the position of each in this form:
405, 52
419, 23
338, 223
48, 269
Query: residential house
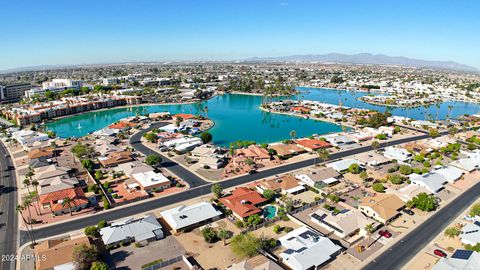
39, 162
286, 184
372, 159
57, 254
343, 164
470, 234
57, 183
433, 182
54, 200
338, 140
408, 192
243, 202
318, 177
142, 230
460, 260
418, 147
286, 150
468, 164
253, 152
188, 217
183, 144
344, 224
115, 158
312, 144
148, 181
399, 154
306, 249
381, 207
46, 152
450, 173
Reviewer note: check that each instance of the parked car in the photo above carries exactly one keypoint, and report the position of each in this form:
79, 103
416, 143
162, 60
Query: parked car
385, 234
440, 253
408, 212
470, 218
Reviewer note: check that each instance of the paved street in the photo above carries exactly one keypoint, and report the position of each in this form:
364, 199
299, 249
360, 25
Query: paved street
8, 216
196, 191
401, 252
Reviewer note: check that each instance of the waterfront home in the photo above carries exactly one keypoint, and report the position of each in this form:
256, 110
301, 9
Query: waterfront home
115, 158
312, 144
183, 116
58, 253
183, 218
432, 181
399, 154
286, 184
338, 140
122, 125
25, 137
423, 124
460, 260
397, 119
142, 230
252, 152
214, 162
184, 144
470, 234
148, 181
306, 249
243, 202
286, 150
381, 207
342, 165
372, 159
347, 223
318, 177
205, 150
54, 201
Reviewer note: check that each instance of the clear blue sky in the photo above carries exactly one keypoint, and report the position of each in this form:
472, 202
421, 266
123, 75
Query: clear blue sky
97, 31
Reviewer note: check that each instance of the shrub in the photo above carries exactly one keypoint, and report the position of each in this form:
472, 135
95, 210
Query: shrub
239, 224
277, 229
427, 164
288, 229
354, 168
106, 185
102, 224
91, 231
405, 169
378, 187
209, 234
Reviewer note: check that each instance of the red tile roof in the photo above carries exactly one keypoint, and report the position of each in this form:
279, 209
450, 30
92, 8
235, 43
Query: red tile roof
243, 202
54, 198
184, 116
313, 144
122, 125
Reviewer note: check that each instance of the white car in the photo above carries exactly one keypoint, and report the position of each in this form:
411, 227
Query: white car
470, 218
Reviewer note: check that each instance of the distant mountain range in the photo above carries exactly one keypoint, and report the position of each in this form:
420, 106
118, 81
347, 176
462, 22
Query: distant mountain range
368, 58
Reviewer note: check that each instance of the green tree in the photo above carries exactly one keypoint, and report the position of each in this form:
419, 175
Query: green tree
153, 160
323, 154
254, 220
83, 256
151, 137
99, 265
452, 232
369, 229
224, 235
354, 168
98, 175
375, 145
206, 137
209, 234
293, 134
405, 169
433, 133
475, 210
425, 202
217, 190
378, 187
268, 194
91, 231
82, 151
245, 245
67, 202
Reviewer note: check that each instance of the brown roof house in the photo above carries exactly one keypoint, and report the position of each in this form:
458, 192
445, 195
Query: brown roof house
243, 202
57, 254
286, 184
115, 158
382, 207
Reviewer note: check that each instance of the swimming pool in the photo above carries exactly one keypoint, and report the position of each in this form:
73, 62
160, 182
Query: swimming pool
269, 211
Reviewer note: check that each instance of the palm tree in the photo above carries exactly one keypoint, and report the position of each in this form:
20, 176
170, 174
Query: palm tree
67, 202
323, 154
20, 209
35, 184
369, 229
293, 134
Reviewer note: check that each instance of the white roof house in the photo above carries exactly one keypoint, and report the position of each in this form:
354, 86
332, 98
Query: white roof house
180, 141
306, 249
460, 260
150, 179
28, 136
471, 234
145, 229
432, 181
400, 154
450, 173
408, 192
185, 216
467, 164
343, 164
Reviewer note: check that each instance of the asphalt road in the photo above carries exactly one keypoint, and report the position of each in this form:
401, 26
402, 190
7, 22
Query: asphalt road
8, 217
402, 252
197, 189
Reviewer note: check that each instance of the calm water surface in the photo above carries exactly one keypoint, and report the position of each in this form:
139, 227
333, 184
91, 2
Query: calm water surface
237, 117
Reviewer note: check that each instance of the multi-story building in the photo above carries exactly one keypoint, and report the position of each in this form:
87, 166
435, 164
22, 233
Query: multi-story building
13, 92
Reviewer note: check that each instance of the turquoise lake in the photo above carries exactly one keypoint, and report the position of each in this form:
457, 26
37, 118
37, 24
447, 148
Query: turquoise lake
238, 117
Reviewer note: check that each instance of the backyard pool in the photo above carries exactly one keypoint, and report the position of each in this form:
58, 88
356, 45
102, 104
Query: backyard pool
269, 211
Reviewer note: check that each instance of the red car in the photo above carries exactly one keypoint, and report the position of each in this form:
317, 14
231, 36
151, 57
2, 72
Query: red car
385, 234
440, 253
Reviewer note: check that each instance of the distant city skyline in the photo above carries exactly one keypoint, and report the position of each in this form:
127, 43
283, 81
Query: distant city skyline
36, 33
